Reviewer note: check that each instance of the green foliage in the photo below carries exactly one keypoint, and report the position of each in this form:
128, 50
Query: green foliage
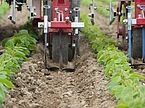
23, 39
3, 8
85, 2
31, 30
125, 84
17, 49
102, 6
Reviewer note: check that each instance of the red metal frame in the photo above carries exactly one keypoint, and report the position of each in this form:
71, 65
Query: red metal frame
56, 25
64, 6
61, 5
139, 20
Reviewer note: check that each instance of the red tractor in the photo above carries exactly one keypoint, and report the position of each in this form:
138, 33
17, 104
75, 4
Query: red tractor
60, 22
131, 25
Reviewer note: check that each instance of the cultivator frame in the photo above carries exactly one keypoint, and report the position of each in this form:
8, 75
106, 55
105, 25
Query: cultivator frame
131, 27
61, 32
60, 22
92, 9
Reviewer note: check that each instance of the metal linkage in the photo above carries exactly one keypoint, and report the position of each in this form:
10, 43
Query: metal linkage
46, 7
31, 9
60, 14
143, 44
77, 36
142, 8
112, 13
15, 4
92, 9
129, 33
12, 16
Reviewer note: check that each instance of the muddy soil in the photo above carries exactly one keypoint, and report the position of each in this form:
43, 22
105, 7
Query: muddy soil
7, 28
109, 30
103, 23
37, 87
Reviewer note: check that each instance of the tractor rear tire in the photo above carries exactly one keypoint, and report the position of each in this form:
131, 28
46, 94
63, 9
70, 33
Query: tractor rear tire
62, 49
137, 43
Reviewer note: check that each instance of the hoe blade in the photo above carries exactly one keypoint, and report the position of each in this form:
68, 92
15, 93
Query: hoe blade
70, 67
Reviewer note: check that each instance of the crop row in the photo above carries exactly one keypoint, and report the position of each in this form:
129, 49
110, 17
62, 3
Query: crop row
124, 83
3, 8
102, 6
17, 49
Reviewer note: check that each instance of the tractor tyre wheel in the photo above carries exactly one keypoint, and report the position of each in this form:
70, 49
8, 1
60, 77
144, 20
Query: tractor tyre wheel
60, 49
137, 43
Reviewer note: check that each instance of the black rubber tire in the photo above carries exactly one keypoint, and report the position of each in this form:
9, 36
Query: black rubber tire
56, 48
137, 43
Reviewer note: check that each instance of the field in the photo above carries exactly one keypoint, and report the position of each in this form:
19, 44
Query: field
103, 77
3, 8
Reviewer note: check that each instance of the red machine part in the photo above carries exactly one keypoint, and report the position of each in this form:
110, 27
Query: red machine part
60, 13
62, 6
140, 18
122, 12
59, 7
137, 10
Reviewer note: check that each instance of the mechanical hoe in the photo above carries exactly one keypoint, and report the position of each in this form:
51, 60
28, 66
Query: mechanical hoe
60, 22
130, 18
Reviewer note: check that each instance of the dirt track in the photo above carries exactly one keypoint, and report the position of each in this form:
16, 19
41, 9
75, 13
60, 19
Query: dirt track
7, 28
39, 88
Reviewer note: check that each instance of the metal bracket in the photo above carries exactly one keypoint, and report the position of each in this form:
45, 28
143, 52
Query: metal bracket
12, 16
129, 33
112, 13
15, 5
92, 9
31, 9
142, 7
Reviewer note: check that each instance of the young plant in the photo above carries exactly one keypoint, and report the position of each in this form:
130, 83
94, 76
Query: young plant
17, 49
124, 83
